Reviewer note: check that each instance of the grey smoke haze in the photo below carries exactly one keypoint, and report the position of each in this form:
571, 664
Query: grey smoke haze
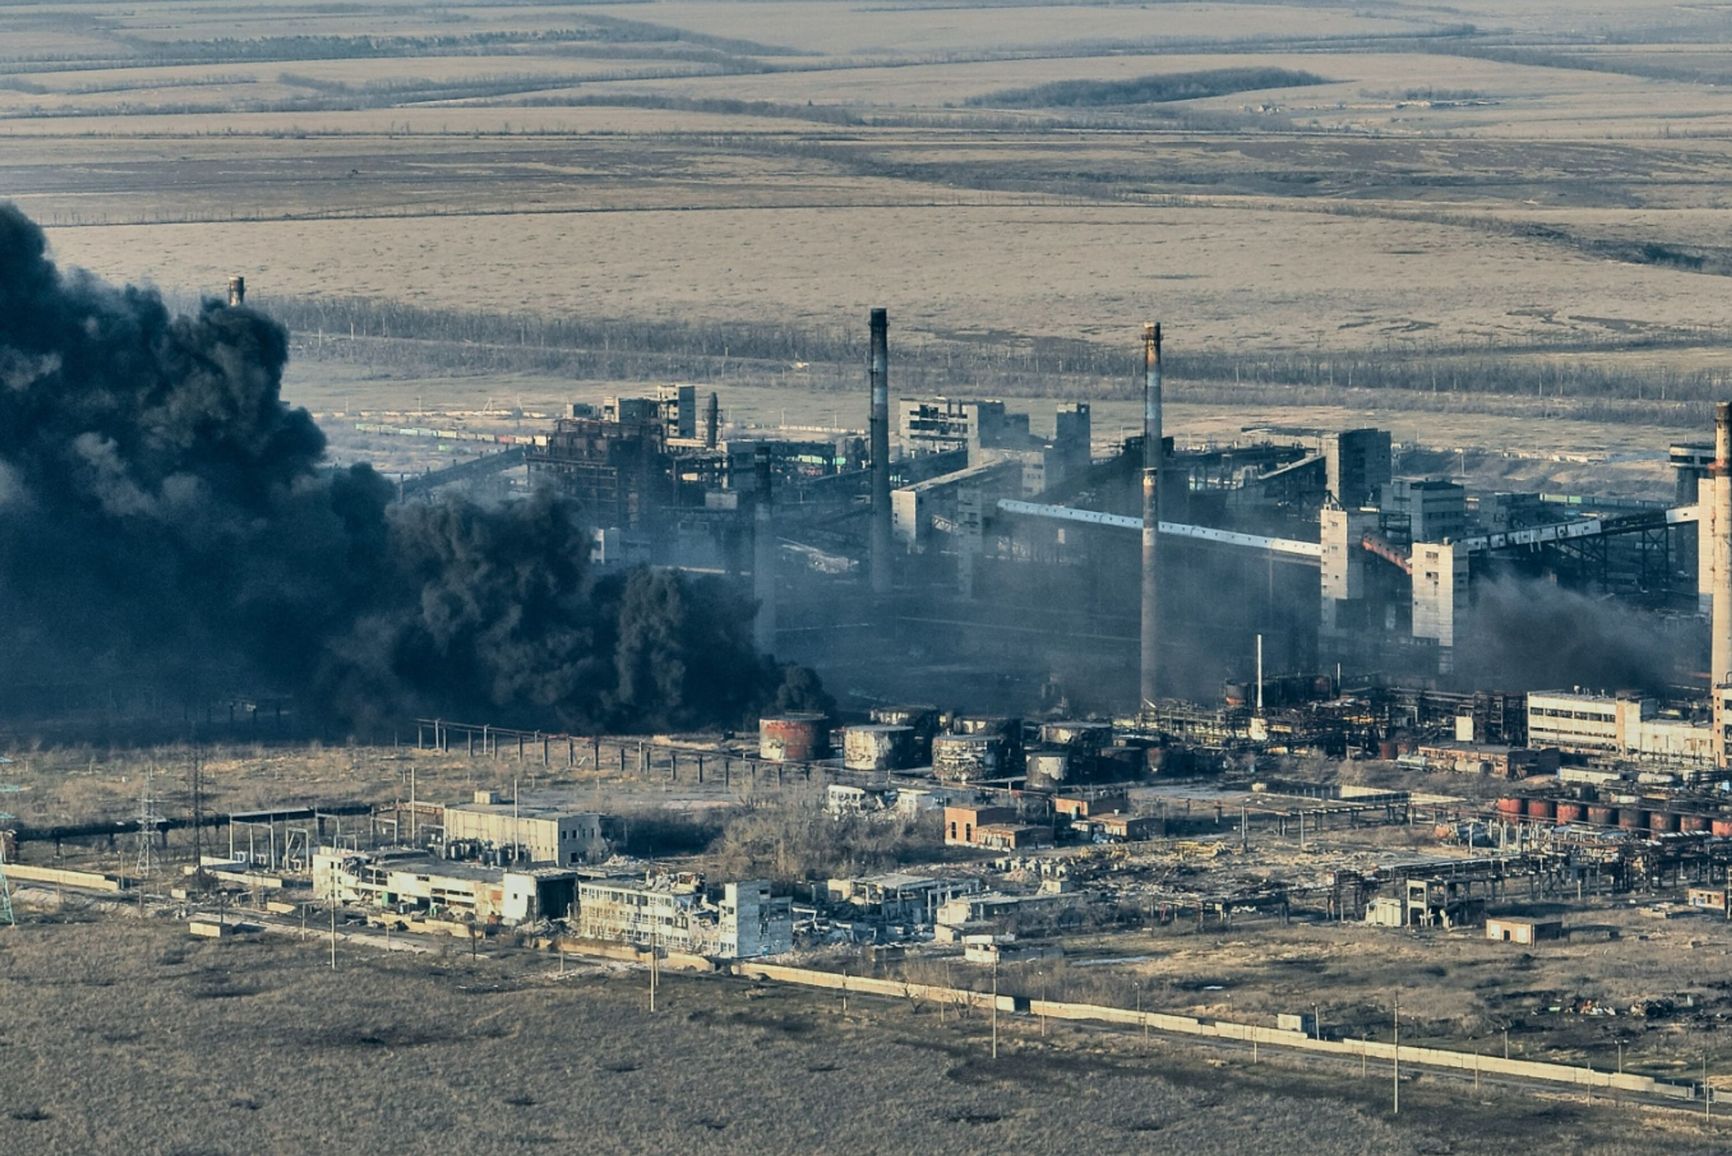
163, 514
1527, 634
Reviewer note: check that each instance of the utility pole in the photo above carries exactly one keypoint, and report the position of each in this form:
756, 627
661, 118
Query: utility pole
197, 821
995, 1007
7, 919
334, 919
1397, 1057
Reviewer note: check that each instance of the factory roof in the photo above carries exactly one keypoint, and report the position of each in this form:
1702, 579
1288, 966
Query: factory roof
526, 809
895, 880
1569, 696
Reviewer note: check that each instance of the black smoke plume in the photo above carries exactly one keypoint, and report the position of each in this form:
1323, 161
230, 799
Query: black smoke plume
165, 516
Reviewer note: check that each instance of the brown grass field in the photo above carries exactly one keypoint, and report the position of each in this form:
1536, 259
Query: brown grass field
122, 1035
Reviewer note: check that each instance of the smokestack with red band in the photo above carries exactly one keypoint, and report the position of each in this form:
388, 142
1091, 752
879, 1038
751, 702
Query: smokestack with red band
764, 555
879, 448
1152, 452
237, 291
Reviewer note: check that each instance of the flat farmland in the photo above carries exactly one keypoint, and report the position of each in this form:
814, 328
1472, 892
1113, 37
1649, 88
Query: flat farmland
1479, 183
1254, 277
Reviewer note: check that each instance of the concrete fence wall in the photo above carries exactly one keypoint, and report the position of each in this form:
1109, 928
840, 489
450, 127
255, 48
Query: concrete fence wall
1221, 1029
89, 880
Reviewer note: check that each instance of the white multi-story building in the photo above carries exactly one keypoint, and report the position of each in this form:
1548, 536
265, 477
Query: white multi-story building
1625, 726
673, 912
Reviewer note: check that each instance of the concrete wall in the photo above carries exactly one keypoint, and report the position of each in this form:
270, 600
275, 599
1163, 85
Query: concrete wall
23, 873
1220, 1029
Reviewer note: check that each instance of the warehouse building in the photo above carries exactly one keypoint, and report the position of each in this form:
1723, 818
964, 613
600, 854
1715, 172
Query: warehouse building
407, 878
524, 830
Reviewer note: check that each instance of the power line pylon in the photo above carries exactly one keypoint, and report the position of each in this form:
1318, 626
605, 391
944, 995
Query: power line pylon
149, 828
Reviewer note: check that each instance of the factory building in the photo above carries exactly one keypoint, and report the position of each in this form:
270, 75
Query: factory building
1620, 726
1356, 464
941, 424
617, 471
1432, 509
895, 897
963, 823
410, 878
679, 914
524, 830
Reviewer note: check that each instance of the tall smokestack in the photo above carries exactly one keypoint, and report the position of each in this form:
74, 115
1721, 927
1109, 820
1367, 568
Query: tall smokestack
1151, 605
764, 555
1719, 524
879, 373
713, 422
237, 291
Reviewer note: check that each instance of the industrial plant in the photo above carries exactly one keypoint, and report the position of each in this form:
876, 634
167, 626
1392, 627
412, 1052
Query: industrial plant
1079, 689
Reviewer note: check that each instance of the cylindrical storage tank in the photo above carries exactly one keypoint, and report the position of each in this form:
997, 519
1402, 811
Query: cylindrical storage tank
1085, 736
877, 748
986, 724
1572, 812
968, 758
1602, 816
1721, 828
1544, 809
1508, 807
1632, 819
1662, 822
793, 738
1693, 824
922, 720
1048, 766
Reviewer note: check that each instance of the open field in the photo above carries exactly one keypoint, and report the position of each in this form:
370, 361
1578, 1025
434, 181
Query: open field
1534, 186
202, 1043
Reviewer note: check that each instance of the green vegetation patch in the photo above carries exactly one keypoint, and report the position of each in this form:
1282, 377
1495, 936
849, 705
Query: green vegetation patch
1159, 89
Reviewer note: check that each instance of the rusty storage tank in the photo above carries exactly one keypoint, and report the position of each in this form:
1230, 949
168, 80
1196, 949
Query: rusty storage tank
1693, 824
1662, 822
921, 719
1601, 815
878, 747
1388, 751
1048, 766
1632, 819
1572, 812
1009, 729
1510, 807
1721, 828
968, 758
1081, 735
793, 738
1541, 809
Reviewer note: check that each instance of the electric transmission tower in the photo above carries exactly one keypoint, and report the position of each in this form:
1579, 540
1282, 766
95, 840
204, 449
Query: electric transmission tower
7, 919
149, 824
